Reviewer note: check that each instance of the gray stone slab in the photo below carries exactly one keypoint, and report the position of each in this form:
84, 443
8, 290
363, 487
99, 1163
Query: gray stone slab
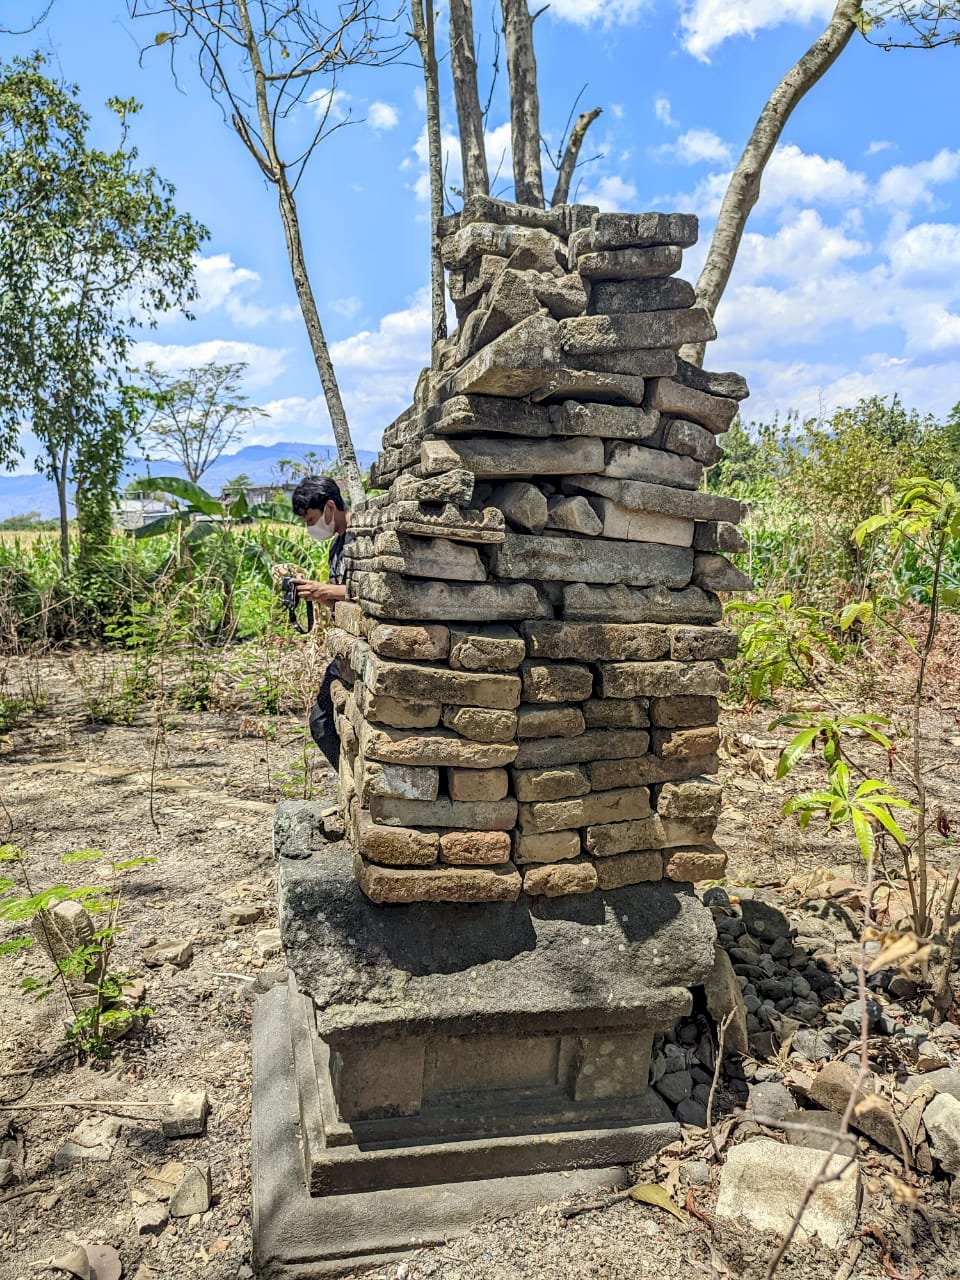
511, 458
731, 385
585, 334
611, 297
588, 384
626, 461
610, 421
638, 495
585, 602
440, 967
297, 1236
388, 595
618, 230
581, 560
630, 264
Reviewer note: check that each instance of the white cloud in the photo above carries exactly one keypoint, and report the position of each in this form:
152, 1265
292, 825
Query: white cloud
266, 364
607, 12
905, 186
331, 106
800, 248
223, 284
346, 307
696, 146
663, 110
874, 148
612, 193
382, 116
499, 150
791, 177
707, 24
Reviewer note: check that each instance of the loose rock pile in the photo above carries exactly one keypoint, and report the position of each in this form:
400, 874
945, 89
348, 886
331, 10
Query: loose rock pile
529, 651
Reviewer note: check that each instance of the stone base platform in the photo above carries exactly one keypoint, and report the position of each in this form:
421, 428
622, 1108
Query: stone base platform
428, 1066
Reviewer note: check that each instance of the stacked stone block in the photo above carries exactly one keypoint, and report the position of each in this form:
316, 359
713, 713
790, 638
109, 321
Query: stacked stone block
530, 651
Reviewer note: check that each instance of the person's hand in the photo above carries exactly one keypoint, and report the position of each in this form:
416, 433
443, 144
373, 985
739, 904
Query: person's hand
324, 593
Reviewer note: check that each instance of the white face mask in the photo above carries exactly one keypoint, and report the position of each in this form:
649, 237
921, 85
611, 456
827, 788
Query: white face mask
322, 531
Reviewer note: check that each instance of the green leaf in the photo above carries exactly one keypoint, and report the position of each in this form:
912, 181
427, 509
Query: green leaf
162, 524
794, 749
886, 820
82, 855
13, 945
864, 833
162, 37
185, 490
651, 1193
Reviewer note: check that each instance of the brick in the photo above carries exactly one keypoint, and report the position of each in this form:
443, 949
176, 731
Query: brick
438, 884
659, 679
695, 864
399, 713
555, 681
608, 839
411, 782
437, 747
685, 743
554, 847
549, 721
697, 798
481, 725
489, 649
393, 846
593, 744
550, 784
602, 641
477, 784
478, 848
423, 643
683, 711
558, 879
691, 644
629, 868
439, 684
499, 815
713, 412
539, 818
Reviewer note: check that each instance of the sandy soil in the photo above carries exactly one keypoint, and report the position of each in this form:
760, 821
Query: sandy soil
66, 784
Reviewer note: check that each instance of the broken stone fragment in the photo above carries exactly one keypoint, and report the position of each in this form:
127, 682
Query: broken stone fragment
612, 297
524, 506
393, 846
716, 413
694, 864
685, 744
716, 573
630, 264
422, 643
438, 884
186, 1116
193, 1192
236, 914
493, 648
453, 486
267, 943
478, 238
691, 440
573, 515
545, 721
93, 1139
618, 230
563, 296
579, 560
731, 385
697, 798
545, 681
633, 462
586, 602
718, 535
559, 879
510, 300
475, 848
724, 998
941, 1119
550, 784
513, 364
168, 951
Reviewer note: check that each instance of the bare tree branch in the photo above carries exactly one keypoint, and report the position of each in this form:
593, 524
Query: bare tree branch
571, 155
463, 65
424, 35
524, 102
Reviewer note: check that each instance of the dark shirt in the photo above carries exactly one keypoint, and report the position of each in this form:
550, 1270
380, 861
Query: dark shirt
337, 561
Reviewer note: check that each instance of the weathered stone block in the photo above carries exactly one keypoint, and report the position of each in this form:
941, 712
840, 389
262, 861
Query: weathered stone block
605, 774
615, 230
641, 496
550, 784
524, 505
421, 557
659, 679
629, 868
694, 864
475, 785
475, 848
630, 264
642, 526
580, 811
593, 744
438, 884
689, 644
716, 573
626, 461
411, 782
574, 515
510, 300
586, 560
686, 744
399, 713
499, 815
629, 331
612, 297
563, 296
477, 238
392, 846
557, 846
493, 648
610, 421
691, 440
717, 535
698, 798
668, 396
394, 746
615, 713
509, 458
555, 681
605, 840
472, 414
452, 486
546, 721
421, 683
587, 383
683, 711
639, 363
514, 364
585, 602
600, 641
558, 879
731, 385
389, 595
481, 725
612, 1066
422, 643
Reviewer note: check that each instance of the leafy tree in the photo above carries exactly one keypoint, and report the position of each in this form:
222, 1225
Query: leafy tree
91, 249
198, 414
239, 484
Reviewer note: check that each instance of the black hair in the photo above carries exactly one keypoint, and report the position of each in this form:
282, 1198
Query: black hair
316, 492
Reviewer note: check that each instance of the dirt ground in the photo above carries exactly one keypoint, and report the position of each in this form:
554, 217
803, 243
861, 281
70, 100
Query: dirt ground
66, 784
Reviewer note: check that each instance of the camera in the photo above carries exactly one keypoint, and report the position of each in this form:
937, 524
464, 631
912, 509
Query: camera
288, 598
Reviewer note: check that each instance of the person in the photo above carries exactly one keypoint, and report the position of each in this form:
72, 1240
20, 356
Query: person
318, 502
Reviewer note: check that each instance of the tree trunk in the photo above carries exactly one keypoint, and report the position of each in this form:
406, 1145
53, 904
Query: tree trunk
298, 268
64, 515
463, 65
571, 155
743, 189
524, 102
423, 34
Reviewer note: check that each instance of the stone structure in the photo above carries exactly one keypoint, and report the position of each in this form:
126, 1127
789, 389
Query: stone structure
531, 662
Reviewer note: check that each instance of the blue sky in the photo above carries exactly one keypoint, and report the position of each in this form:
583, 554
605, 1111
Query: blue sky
848, 280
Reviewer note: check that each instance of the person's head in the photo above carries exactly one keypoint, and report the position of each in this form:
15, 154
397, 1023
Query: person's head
318, 502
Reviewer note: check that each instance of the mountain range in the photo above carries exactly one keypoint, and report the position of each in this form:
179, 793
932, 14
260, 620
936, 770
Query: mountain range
32, 492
